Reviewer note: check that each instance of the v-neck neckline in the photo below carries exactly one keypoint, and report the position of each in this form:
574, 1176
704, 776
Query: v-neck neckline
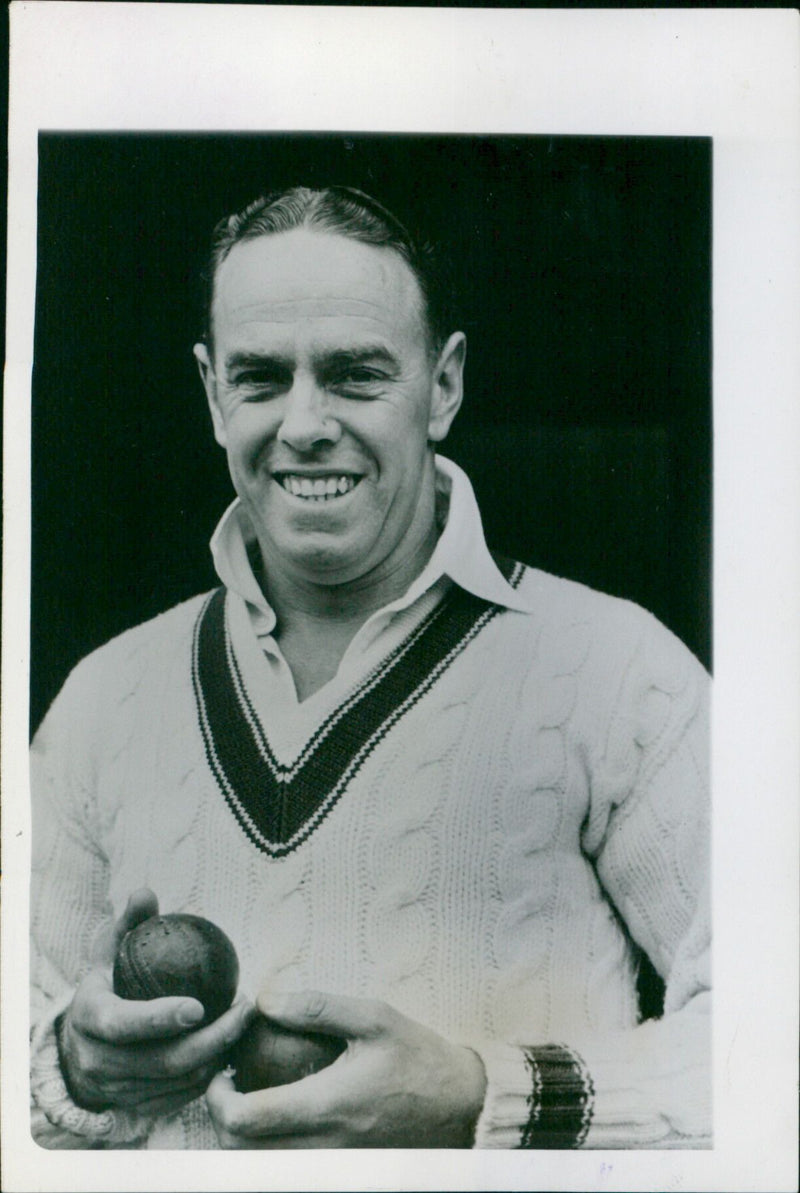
278, 804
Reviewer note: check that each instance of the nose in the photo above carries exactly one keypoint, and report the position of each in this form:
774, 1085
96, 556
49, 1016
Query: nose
307, 421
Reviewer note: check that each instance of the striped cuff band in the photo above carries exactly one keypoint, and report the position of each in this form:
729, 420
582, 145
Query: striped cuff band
561, 1099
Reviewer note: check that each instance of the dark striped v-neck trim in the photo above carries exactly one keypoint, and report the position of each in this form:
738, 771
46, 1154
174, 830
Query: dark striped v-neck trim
278, 806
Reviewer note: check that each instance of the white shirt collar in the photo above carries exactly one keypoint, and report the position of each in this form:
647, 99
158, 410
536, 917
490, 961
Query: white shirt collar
461, 553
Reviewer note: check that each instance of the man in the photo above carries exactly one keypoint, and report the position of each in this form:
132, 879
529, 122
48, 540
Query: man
437, 800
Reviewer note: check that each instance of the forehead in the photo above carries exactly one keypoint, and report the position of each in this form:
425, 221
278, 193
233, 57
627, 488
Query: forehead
307, 276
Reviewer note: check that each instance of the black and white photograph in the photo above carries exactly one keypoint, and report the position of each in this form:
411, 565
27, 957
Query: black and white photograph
450, 806
373, 614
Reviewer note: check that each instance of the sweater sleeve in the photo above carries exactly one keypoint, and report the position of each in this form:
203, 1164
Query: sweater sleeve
70, 912
647, 835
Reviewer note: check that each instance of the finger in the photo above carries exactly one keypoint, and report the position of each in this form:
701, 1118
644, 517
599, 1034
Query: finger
142, 904
222, 1101
240, 1118
137, 1089
173, 1102
301, 1108
101, 1014
206, 1046
333, 1014
234, 1114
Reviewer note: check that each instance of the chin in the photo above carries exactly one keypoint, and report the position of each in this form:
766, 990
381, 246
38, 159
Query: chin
326, 565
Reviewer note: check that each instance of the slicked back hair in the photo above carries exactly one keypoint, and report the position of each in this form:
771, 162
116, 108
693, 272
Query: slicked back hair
345, 211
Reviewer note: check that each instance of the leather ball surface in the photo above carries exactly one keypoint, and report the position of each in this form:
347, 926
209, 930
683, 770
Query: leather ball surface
268, 1054
178, 955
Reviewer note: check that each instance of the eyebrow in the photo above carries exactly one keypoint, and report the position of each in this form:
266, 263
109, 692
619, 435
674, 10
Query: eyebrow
256, 360
337, 359
370, 354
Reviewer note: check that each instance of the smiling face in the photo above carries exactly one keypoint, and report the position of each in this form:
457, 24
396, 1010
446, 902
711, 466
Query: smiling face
326, 397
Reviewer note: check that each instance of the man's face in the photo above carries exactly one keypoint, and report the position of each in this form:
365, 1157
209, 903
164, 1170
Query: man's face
324, 393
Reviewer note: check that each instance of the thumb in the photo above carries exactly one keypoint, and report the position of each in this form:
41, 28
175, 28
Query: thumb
221, 1088
221, 1099
141, 905
331, 1014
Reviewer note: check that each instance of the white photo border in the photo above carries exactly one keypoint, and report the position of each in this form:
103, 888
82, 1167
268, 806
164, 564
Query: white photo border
733, 75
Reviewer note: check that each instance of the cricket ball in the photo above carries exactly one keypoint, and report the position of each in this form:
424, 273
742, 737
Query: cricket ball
268, 1054
178, 955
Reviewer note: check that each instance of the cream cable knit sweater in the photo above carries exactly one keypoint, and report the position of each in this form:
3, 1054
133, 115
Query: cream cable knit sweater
484, 867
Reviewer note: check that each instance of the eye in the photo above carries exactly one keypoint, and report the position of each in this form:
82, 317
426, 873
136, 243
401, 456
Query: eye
356, 381
260, 382
361, 374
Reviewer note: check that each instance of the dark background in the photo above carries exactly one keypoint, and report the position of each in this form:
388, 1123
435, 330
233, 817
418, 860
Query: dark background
583, 266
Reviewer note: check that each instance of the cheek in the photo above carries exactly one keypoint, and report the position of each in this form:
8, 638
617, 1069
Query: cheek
248, 434
400, 436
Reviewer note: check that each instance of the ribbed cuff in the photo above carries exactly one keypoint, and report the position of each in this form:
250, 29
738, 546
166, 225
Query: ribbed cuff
539, 1097
75, 1126
561, 1100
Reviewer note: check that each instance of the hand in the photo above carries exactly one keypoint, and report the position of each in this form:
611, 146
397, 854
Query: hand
125, 1053
397, 1084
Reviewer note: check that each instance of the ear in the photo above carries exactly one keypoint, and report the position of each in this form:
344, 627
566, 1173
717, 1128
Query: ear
448, 386
209, 379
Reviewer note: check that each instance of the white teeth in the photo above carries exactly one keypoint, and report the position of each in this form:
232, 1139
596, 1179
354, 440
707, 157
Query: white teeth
318, 488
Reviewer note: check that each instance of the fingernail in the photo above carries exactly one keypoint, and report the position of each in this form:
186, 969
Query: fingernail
274, 1002
190, 1013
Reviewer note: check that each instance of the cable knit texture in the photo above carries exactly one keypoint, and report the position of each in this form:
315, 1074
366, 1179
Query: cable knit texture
490, 870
